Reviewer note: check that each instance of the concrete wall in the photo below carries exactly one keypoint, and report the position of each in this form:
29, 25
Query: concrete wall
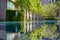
2, 18
3, 10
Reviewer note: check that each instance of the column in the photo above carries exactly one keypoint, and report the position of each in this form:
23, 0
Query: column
3, 34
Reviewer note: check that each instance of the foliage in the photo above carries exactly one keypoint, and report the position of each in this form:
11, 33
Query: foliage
36, 6
20, 16
9, 15
49, 32
46, 31
31, 5
50, 10
58, 3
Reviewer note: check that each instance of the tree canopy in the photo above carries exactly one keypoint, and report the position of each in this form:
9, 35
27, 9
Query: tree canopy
32, 5
58, 4
50, 10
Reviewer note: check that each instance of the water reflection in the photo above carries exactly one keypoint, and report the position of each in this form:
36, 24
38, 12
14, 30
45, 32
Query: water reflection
13, 27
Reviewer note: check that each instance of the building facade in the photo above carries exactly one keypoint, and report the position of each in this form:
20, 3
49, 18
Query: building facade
2, 10
3, 35
48, 1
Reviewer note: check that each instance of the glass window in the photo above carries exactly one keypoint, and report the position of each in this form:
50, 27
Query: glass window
10, 5
52, 1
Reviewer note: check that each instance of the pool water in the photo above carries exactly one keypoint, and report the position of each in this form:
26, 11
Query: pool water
12, 27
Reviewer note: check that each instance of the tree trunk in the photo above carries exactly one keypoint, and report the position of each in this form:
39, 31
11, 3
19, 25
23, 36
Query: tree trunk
26, 25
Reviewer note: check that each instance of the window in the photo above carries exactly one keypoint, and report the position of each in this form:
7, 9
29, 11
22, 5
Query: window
10, 5
52, 1
0, 3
